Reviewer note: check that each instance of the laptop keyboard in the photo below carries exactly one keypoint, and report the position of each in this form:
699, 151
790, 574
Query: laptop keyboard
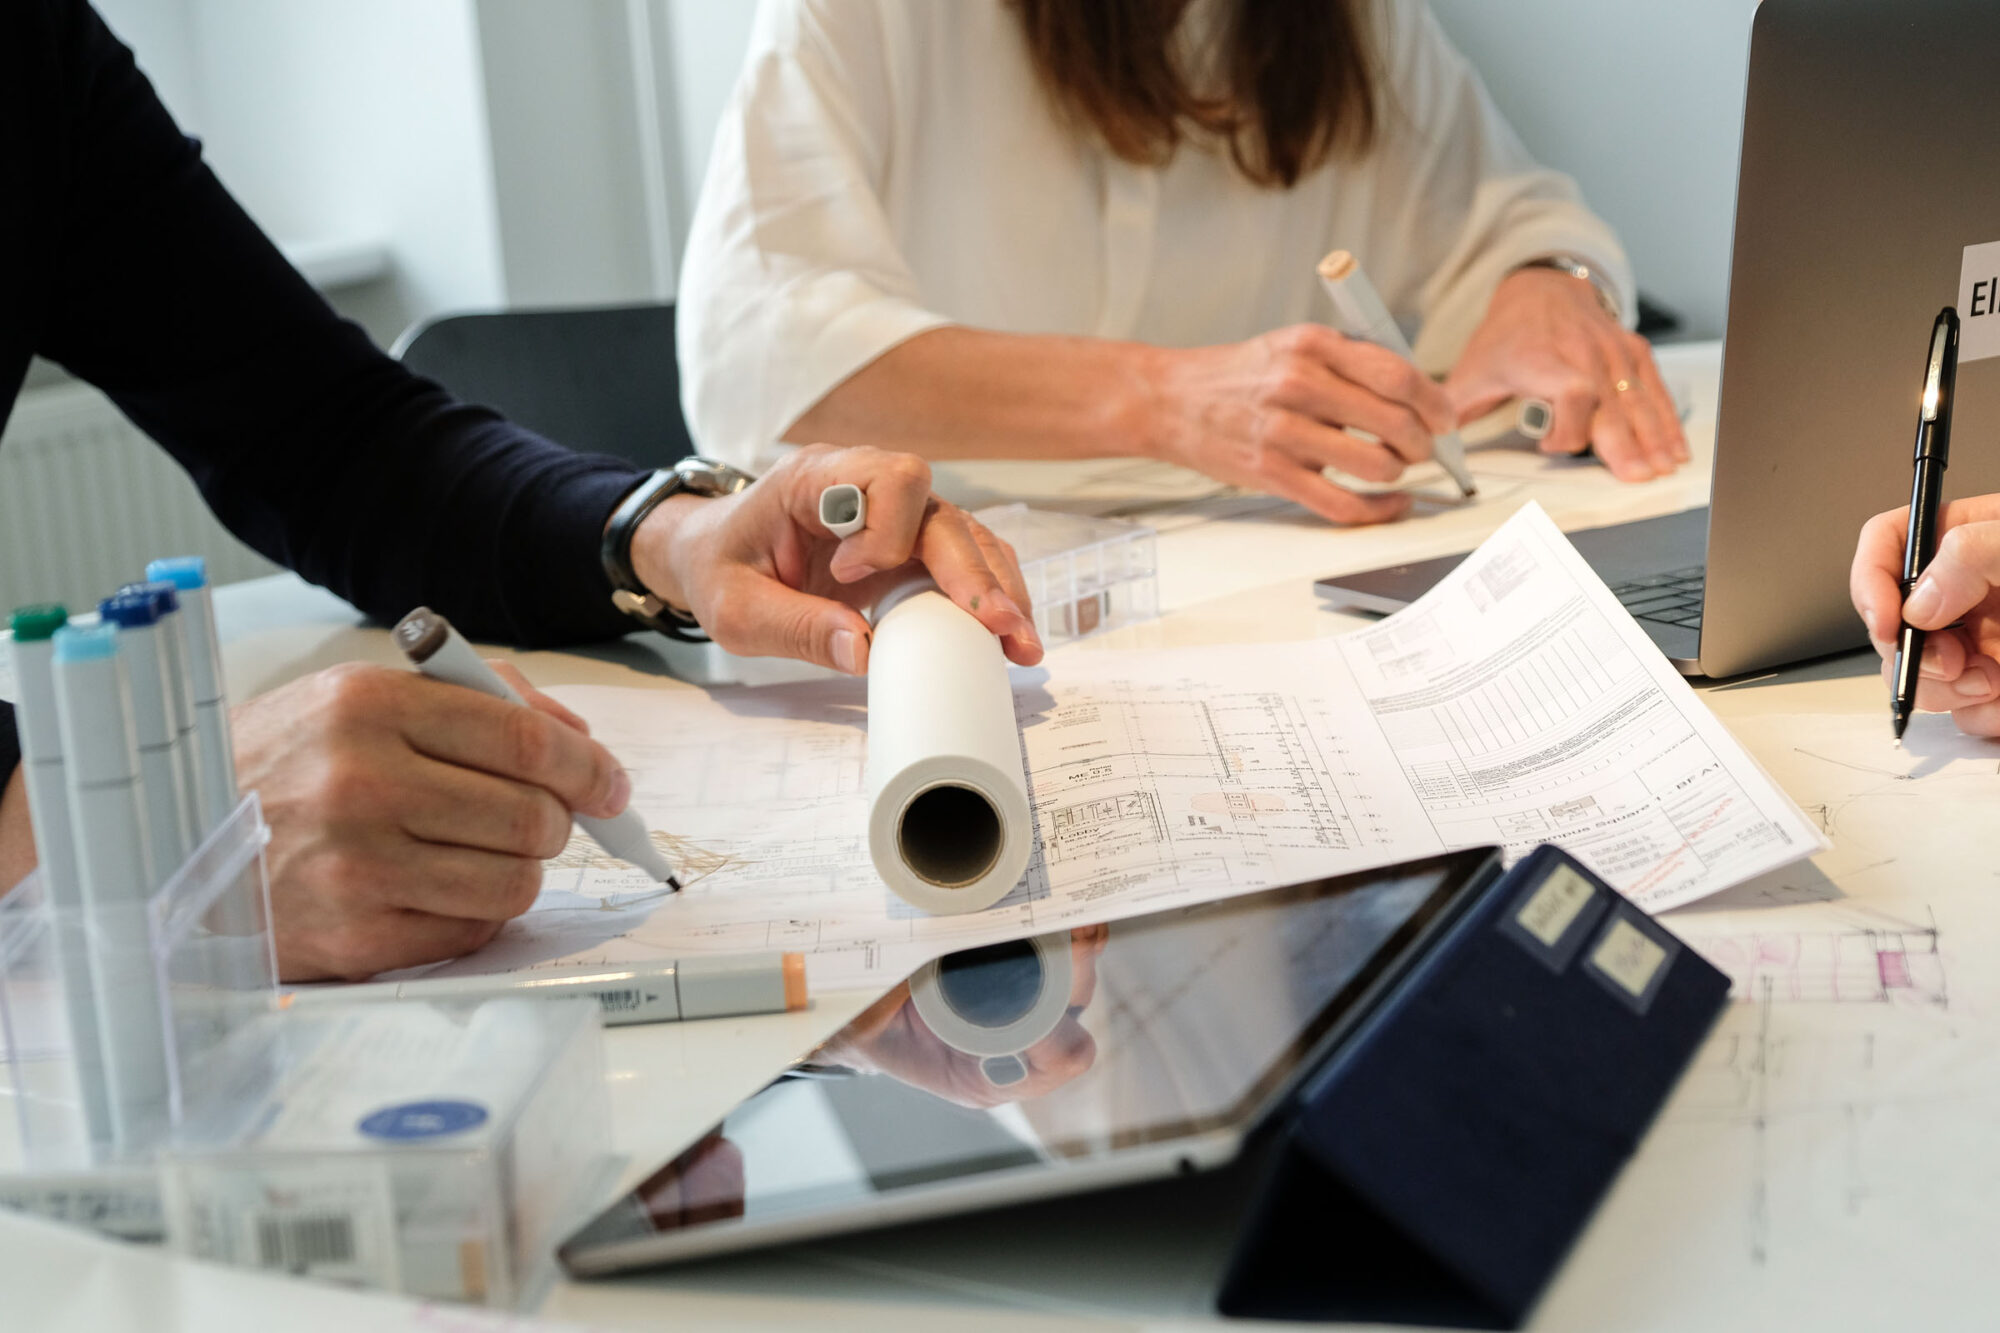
1673, 597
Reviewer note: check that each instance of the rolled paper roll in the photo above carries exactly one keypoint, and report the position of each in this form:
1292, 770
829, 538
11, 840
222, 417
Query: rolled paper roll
950, 828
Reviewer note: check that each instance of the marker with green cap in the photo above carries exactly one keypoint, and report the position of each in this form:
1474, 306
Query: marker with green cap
42, 769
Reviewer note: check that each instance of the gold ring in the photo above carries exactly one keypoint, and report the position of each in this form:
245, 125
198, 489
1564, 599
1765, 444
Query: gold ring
1623, 386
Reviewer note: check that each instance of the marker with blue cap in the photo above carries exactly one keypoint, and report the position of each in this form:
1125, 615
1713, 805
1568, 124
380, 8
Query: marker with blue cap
137, 616
180, 694
189, 575
114, 855
42, 769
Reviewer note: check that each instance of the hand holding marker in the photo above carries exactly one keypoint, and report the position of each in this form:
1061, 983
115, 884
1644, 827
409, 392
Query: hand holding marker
436, 649
1360, 315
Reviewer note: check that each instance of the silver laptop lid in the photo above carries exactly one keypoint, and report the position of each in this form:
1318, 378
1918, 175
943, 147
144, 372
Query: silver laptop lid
1871, 160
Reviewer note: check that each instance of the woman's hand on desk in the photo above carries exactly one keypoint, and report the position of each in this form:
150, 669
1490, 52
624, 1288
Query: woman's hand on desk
1961, 588
765, 578
410, 818
1546, 336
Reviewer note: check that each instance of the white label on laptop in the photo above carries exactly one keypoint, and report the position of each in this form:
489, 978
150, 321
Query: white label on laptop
1979, 302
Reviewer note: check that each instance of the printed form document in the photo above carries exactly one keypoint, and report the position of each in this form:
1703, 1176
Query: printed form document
1516, 703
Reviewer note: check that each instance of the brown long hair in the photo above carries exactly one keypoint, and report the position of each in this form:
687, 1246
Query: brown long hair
1293, 82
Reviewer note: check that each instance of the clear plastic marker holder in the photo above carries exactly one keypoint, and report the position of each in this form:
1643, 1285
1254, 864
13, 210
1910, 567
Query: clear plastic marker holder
255, 1157
1085, 575
442, 1150
201, 945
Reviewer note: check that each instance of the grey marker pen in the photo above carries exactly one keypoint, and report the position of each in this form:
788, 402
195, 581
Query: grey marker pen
189, 575
694, 987
180, 694
114, 855
437, 650
161, 788
55, 848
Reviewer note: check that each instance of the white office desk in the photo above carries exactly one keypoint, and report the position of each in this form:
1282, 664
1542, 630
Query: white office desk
1711, 1226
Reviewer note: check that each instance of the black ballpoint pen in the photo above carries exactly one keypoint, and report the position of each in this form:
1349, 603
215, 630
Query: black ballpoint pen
1926, 494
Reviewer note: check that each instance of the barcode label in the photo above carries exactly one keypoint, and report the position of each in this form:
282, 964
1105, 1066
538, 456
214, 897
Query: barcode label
298, 1244
336, 1223
618, 1001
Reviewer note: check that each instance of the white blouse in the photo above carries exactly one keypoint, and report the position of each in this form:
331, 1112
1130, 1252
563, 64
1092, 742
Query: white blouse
888, 166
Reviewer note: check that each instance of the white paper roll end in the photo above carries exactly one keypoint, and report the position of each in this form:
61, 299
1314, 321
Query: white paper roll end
950, 836
950, 829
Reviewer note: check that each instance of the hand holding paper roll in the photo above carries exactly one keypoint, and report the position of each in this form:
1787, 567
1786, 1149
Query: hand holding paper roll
950, 828
765, 577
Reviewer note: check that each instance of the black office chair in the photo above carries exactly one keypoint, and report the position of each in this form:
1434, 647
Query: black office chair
600, 379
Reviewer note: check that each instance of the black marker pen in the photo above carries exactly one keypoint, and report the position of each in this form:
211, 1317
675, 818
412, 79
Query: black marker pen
1926, 494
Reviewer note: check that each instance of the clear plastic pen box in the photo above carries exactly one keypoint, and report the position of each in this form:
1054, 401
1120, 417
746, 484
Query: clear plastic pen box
432, 1149
440, 1150
196, 957
1084, 574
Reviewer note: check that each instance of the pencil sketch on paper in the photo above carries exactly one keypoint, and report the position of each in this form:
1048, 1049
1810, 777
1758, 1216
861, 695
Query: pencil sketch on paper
1867, 958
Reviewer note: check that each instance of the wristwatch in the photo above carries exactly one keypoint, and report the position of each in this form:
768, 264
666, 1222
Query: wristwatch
1579, 268
694, 476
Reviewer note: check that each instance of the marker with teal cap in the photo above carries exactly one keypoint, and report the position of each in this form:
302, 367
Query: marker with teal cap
141, 644
189, 575
42, 769
180, 694
114, 853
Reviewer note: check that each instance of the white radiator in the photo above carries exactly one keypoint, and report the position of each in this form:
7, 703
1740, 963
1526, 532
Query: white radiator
86, 501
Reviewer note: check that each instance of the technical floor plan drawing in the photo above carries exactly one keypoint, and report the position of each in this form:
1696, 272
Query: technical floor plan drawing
1517, 703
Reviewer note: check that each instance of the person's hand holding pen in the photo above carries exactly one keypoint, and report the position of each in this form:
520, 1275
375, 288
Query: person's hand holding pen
764, 577
1546, 335
1960, 589
410, 818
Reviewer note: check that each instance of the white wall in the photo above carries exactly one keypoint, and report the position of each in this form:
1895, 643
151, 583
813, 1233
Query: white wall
346, 119
342, 121
561, 90
1643, 104
706, 45
161, 32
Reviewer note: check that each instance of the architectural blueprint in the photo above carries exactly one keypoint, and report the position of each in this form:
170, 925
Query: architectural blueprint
1515, 704
1837, 1126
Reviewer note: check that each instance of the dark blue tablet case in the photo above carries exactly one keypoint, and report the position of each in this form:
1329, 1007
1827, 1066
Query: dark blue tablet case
1440, 1164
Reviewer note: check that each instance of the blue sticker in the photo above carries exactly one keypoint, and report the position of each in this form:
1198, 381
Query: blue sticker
423, 1120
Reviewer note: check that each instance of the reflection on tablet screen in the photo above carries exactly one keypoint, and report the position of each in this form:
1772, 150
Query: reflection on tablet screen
1044, 1053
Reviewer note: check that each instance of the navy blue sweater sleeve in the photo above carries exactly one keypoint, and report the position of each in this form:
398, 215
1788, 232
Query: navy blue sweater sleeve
10, 749
307, 441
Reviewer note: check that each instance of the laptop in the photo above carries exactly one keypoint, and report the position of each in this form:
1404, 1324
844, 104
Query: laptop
1869, 167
